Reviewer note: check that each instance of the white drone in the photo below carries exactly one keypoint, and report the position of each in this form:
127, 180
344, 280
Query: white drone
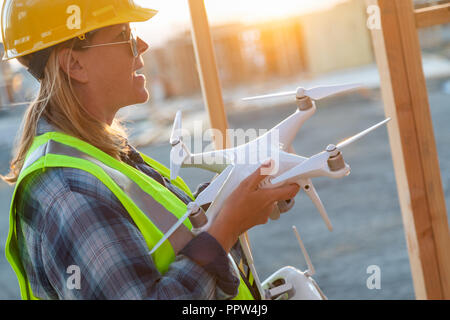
233, 166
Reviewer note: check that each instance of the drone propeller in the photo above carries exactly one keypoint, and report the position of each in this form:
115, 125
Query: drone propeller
358, 136
178, 153
315, 93
206, 196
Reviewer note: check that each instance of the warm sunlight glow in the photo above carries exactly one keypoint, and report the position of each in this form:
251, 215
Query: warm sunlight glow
259, 10
174, 15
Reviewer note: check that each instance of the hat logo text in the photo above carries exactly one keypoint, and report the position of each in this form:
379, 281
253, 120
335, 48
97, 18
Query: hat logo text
74, 20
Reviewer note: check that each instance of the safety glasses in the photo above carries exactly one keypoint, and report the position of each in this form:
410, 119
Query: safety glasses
132, 42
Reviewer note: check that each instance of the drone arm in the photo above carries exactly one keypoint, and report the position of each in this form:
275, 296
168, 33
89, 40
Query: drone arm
215, 161
289, 127
312, 167
210, 193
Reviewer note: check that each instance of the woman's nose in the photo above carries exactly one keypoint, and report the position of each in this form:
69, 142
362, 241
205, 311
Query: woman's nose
142, 46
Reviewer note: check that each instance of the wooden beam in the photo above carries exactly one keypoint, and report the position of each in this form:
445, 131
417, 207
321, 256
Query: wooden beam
413, 148
209, 75
431, 16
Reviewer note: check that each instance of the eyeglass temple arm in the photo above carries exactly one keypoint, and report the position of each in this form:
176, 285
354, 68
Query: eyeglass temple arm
105, 44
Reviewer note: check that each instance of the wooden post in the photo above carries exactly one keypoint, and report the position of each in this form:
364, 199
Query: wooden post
207, 68
209, 75
434, 15
413, 147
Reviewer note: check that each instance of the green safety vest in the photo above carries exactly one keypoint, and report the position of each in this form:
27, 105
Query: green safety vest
153, 208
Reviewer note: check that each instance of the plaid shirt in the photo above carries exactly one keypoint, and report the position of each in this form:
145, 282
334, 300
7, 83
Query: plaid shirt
69, 223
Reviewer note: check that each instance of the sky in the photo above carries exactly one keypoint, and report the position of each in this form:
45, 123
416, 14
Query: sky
174, 15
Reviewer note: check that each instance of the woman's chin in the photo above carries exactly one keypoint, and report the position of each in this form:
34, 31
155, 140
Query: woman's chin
141, 96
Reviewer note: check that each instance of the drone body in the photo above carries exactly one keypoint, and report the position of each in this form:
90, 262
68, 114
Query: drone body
246, 158
236, 164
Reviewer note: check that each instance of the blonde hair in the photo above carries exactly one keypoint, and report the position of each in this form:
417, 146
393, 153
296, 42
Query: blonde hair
58, 103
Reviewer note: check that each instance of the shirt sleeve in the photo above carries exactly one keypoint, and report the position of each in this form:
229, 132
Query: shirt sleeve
208, 253
91, 250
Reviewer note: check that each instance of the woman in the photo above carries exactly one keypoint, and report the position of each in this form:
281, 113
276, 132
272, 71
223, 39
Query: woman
87, 206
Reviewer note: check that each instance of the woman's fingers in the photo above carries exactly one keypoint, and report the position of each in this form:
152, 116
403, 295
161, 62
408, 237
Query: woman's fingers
264, 214
285, 192
270, 195
253, 180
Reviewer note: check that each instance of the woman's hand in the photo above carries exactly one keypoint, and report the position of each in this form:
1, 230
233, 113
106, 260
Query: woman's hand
247, 207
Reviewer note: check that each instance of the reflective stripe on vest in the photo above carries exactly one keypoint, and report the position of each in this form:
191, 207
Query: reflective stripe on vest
153, 208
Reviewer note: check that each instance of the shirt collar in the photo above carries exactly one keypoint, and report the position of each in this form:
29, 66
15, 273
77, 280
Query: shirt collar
43, 126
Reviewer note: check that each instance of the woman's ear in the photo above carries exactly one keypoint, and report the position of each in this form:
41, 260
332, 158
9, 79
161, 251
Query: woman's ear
71, 63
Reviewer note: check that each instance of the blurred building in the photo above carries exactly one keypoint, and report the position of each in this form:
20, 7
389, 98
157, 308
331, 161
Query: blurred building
172, 68
308, 45
337, 38
274, 49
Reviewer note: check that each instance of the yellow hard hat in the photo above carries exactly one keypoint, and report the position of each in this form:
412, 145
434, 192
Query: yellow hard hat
31, 26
